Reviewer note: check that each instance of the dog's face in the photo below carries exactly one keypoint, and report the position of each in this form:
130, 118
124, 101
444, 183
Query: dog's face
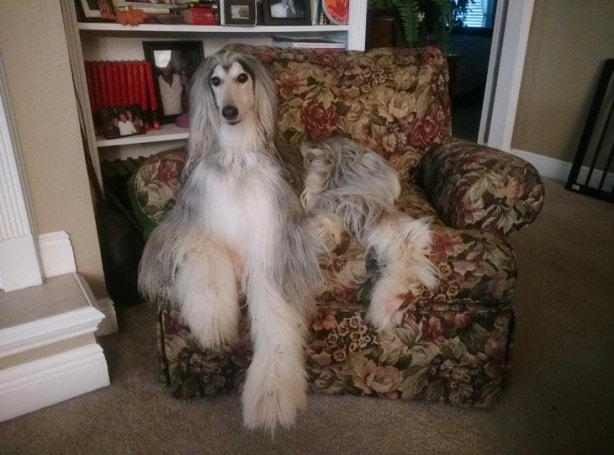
233, 91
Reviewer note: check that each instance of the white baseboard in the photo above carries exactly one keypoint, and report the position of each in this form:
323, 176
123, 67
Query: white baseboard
559, 170
549, 168
57, 254
40, 383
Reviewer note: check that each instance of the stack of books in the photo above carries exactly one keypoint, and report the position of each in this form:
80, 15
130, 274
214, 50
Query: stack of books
116, 84
308, 43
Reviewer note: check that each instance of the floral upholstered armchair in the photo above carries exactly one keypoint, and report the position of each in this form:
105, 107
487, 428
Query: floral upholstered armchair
455, 342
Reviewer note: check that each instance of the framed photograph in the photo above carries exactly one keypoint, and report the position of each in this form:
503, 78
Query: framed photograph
147, 6
95, 10
173, 64
286, 12
121, 121
238, 12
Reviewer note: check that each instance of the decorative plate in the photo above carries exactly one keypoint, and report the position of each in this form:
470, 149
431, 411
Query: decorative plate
338, 11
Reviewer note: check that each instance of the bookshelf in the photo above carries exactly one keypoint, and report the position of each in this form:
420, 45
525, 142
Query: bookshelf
210, 29
168, 132
111, 41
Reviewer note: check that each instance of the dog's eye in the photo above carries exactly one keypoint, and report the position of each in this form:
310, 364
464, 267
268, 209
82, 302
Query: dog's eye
215, 81
242, 78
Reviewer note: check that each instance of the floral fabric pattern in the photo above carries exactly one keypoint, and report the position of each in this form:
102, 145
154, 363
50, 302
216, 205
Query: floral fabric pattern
460, 358
157, 182
478, 187
392, 101
455, 342
453, 346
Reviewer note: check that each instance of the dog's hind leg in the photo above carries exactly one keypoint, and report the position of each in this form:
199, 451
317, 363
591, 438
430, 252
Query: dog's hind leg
207, 290
276, 384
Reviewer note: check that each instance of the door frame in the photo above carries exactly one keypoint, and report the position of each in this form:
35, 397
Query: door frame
505, 69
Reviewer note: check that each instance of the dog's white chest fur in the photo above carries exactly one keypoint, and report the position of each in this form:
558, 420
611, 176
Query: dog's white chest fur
239, 203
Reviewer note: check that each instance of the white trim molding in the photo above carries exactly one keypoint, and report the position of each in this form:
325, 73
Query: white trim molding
357, 33
43, 332
507, 55
19, 264
57, 254
31, 379
559, 170
40, 383
58, 258
549, 168
109, 323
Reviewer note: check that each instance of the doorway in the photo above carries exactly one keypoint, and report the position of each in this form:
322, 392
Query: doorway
470, 44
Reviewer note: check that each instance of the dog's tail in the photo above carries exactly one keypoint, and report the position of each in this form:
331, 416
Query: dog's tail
355, 184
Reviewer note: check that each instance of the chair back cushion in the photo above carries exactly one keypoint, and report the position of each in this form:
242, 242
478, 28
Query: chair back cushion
392, 101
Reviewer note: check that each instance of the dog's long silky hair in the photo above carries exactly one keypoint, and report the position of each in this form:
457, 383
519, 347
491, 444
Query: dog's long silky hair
238, 227
353, 186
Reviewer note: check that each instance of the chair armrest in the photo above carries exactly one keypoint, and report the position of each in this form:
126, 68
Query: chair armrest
476, 187
154, 186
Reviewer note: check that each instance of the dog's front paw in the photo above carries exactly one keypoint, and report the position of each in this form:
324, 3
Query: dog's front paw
273, 397
215, 329
396, 290
388, 302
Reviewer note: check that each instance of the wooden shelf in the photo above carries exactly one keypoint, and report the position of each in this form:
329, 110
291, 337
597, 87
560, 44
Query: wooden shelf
165, 133
213, 29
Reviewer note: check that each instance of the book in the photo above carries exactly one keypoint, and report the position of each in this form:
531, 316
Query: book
142, 83
89, 77
123, 83
104, 90
133, 95
153, 101
307, 43
114, 84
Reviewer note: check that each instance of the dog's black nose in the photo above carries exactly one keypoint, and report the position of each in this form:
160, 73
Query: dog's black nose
230, 112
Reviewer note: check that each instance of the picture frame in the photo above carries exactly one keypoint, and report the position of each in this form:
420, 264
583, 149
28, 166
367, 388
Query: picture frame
238, 12
173, 64
121, 121
286, 12
147, 6
94, 10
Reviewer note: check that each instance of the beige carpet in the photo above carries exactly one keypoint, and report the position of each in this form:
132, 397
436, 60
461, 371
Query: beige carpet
560, 399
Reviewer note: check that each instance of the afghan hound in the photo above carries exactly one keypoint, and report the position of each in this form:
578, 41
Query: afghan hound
239, 228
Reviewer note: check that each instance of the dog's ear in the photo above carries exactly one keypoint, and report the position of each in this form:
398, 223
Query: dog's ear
265, 95
204, 118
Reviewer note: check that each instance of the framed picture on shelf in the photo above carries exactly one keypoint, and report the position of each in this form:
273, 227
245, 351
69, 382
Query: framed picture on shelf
238, 12
121, 121
286, 12
337, 11
173, 64
147, 6
95, 10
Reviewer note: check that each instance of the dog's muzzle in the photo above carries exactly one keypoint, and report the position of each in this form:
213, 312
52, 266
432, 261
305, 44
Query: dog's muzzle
230, 114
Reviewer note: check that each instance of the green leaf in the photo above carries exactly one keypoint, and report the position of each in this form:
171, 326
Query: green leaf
414, 383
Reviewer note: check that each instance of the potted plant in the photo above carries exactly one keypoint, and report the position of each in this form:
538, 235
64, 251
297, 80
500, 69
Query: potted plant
420, 22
